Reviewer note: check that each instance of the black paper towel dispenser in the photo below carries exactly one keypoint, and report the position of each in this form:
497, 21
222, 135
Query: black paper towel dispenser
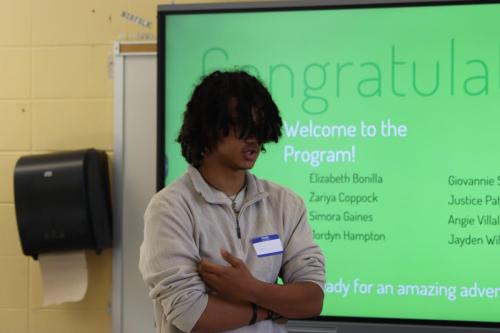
63, 201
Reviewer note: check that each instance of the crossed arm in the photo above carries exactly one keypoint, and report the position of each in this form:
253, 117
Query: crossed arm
236, 289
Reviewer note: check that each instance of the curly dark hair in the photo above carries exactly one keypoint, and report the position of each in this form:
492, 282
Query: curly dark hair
208, 117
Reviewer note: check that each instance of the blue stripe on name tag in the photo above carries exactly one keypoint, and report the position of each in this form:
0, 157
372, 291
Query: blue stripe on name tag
264, 238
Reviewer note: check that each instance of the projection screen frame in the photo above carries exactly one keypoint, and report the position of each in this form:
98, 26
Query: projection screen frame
241, 7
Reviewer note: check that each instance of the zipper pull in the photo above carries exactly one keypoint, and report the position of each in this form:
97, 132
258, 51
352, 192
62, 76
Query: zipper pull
238, 231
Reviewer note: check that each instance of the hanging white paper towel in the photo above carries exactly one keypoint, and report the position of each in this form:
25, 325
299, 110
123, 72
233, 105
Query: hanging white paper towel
64, 277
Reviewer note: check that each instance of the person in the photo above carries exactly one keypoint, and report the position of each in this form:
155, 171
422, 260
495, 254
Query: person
217, 239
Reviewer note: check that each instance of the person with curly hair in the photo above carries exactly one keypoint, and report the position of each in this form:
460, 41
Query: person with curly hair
217, 239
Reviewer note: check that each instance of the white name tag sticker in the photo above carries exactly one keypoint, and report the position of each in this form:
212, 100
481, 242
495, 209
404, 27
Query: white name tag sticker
267, 245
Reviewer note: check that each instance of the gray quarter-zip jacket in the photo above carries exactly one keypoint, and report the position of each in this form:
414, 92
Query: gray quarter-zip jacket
189, 220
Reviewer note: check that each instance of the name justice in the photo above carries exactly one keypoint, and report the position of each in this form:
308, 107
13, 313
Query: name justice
468, 200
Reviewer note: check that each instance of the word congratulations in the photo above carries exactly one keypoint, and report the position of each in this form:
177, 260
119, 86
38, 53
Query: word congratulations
317, 83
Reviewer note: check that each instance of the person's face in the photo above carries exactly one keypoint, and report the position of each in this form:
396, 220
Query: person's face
234, 153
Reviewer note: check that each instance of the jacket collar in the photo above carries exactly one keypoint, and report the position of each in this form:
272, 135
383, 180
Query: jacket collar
211, 195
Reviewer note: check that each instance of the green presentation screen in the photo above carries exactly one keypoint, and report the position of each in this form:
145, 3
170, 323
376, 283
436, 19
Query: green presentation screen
391, 133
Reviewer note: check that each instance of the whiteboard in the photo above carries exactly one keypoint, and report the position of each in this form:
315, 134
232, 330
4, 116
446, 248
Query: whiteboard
134, 181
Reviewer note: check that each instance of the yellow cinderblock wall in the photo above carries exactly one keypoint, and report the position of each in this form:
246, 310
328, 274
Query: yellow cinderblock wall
55, 94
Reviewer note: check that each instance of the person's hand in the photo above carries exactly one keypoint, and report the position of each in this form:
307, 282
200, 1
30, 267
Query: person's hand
234, 281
